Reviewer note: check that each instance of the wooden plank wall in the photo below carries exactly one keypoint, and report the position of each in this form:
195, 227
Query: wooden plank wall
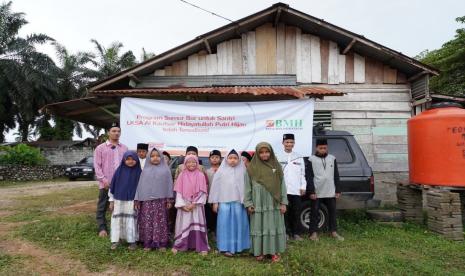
377, 115
285, 50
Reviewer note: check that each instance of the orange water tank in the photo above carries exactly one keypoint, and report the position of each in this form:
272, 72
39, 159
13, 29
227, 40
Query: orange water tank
436, 145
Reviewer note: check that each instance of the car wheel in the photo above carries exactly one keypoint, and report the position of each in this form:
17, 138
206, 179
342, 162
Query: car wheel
305, 216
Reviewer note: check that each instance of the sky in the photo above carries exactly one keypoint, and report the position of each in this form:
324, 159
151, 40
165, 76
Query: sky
408, 26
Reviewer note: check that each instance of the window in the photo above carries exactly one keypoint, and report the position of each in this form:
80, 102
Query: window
340, 149
325, 117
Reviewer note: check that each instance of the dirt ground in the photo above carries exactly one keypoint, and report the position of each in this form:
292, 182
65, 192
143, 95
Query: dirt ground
36, 260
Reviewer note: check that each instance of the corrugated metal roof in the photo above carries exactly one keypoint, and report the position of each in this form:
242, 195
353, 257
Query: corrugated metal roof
294, 91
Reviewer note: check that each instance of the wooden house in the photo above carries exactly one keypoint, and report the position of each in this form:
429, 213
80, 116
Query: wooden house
282, 53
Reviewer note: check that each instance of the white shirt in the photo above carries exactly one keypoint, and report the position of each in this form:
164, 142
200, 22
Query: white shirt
294, 172
142, 162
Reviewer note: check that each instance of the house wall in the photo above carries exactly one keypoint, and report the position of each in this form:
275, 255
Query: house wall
377, 116
285, 49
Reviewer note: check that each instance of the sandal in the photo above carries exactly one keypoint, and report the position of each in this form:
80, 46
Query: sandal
114, 245
132, 246
174, 251
203, 253
260, 258
275, 258
228, 254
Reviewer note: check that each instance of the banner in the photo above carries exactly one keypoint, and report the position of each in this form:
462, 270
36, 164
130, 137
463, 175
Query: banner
174, 125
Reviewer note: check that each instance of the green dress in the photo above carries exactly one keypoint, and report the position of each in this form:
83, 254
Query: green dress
267, 228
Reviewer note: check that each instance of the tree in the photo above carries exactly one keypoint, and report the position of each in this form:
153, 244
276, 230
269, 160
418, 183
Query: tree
26, 75
450, 60
74, 74
110, 61
146, 55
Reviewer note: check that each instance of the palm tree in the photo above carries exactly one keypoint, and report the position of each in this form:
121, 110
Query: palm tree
74, 74
26, 76
109, 61
146, 55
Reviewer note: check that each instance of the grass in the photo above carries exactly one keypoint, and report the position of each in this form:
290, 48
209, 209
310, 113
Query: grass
370, 248
12, 265
10, 183
28, 208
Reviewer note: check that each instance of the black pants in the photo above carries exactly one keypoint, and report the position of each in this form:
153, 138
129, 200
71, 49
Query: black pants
102, 207
330, 203
292, 216
210, 217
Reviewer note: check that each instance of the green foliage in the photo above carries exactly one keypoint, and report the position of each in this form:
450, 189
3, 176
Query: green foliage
21, 154
450, 60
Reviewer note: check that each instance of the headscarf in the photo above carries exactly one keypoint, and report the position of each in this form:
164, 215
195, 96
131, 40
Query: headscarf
155, 181
190, 183
269, 173
228, 182
124, 182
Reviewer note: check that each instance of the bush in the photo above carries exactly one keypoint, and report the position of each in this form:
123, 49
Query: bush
21, 154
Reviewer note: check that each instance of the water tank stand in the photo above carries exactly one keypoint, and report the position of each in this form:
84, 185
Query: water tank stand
444, 205
445, 213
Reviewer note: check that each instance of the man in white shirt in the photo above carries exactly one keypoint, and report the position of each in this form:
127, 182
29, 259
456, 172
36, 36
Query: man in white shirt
294, 176
142, 150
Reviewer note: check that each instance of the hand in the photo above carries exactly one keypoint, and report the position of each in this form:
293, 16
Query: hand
215, 207
136, 205
282, 208
112, 206
169, 205
106, 184
338, 195
302, 192
186, 209
251, 210
313, 196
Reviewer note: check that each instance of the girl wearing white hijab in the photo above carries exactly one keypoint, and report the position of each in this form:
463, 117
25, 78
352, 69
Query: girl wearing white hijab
227, 196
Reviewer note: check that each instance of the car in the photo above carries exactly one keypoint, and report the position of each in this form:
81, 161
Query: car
82, 169
356, 176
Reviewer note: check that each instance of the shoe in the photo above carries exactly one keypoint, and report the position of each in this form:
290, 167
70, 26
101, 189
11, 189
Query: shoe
103, 233
174, 251
337, 237
260, 258
203, 253
314, 237
147, 249
298, 238
132, 246
162, 249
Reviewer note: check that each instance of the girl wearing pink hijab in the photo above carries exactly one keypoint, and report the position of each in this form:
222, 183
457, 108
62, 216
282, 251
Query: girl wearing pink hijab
191, 196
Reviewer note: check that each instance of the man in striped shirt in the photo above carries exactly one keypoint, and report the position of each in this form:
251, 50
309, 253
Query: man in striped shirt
107, 157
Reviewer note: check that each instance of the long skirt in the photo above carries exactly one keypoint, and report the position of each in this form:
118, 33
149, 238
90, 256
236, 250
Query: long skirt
124, 222
153, 223
191, 230
232, 233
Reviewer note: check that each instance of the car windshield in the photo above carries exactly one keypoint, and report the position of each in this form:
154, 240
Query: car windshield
87, 161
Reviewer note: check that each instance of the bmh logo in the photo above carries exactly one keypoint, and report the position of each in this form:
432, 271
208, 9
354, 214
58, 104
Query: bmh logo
269, 123
285, 124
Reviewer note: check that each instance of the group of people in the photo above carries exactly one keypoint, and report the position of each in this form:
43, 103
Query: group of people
250, 202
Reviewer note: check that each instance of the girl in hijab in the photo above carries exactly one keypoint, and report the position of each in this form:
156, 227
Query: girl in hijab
191, 195
122, 191
153, 198
266, 200
227, 196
